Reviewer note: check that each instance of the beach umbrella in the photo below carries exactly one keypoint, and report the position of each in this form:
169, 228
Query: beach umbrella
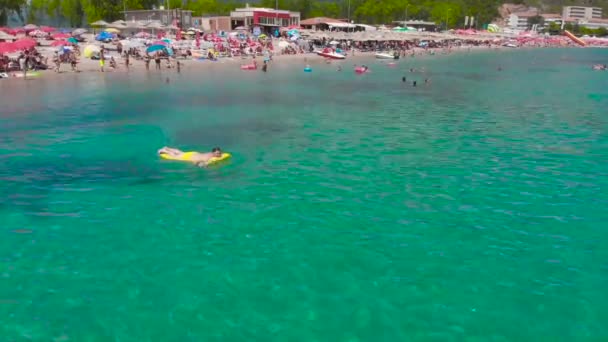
100, 23
47, 29
30, 27
132, 44
112, 30
90, 50
37, 33
154, 48
160, 42
78, 32
72, 40
59, 43
60, 36
142, 35
25, 43
8, 47
5, 36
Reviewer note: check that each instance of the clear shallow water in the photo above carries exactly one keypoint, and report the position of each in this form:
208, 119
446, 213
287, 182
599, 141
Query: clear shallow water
356, 208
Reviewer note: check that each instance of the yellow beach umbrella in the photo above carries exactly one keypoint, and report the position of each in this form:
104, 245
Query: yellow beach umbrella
112, 30
90, 50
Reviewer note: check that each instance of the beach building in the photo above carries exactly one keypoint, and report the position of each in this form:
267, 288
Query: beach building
420, 25
180, 18
580, 12
594, 24
325, 24
265, 18
519, 20
216, 24
552, 18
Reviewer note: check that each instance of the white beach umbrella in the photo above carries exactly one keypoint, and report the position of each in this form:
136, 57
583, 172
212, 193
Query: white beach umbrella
100, 23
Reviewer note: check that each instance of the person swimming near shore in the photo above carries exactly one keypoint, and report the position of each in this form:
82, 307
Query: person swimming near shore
198, 159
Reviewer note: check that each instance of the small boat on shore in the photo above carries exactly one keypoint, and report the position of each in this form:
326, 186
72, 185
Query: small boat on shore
380, 55
328, 53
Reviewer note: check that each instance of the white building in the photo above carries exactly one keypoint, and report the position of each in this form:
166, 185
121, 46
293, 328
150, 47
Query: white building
519, 21
580, 12
594, 24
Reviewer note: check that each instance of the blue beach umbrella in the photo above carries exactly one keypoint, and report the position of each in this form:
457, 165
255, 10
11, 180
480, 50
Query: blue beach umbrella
154, 48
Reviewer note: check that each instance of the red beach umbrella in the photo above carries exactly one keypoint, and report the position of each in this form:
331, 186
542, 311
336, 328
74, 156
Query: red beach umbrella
8, 47
47, 29
60, 36
60, 43
25, 43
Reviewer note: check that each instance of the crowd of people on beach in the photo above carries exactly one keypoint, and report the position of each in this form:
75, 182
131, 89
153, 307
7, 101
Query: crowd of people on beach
118, 50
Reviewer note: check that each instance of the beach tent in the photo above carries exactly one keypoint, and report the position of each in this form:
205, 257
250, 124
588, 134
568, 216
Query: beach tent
103, 36
90, 50
493, 28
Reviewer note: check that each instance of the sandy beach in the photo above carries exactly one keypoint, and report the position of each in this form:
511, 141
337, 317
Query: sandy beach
87, 65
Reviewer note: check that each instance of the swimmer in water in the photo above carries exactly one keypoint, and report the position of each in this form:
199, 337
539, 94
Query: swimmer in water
414, 83
167, 80
403, 79
198, 159
264, 67
339, 68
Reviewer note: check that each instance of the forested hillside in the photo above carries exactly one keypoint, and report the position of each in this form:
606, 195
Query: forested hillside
78, 12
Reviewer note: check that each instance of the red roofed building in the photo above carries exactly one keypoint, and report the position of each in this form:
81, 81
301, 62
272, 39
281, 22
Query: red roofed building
268, 18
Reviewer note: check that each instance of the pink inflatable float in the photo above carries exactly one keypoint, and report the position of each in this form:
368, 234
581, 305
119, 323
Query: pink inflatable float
361, 70
249, 67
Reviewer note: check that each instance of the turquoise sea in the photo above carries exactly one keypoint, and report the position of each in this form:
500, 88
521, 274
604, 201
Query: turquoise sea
355, 208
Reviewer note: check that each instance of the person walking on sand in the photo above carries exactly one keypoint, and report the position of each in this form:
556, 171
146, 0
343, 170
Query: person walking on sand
102, 59
179, 67
127, 61
23, 64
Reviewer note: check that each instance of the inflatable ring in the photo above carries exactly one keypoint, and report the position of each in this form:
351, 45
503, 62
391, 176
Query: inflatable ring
307, 69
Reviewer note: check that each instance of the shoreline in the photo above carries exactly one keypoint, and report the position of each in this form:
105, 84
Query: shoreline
88, 66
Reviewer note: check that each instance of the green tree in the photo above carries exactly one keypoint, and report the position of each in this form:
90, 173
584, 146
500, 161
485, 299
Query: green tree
536, 20
8, 7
